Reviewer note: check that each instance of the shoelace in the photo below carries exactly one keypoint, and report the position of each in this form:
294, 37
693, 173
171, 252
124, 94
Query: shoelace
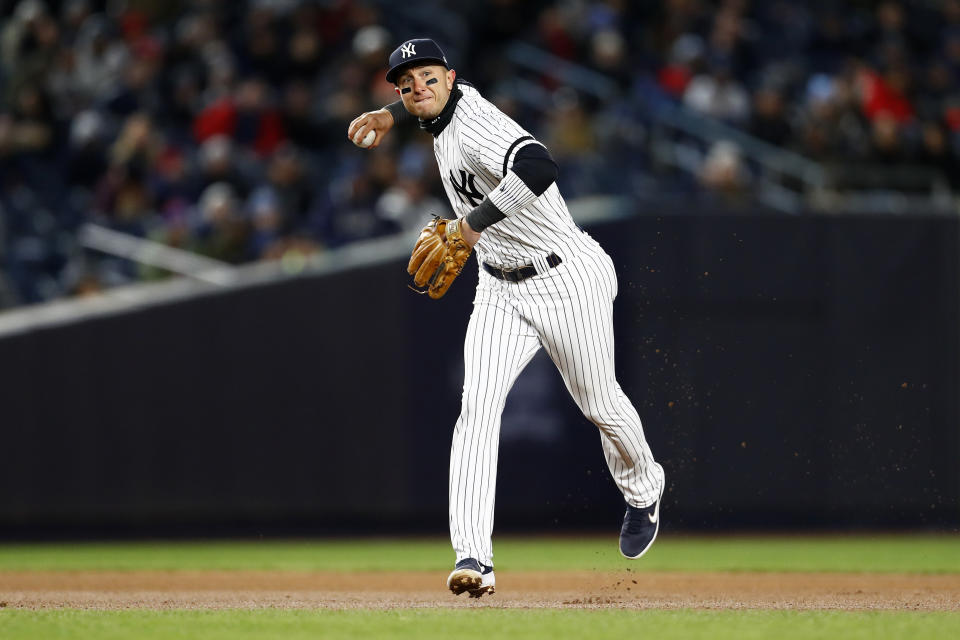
635, 519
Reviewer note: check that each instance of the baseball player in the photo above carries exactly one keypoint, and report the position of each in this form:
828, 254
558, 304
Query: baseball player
544, 283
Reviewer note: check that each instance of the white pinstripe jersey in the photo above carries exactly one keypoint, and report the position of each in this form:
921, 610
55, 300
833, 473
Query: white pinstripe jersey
474, 152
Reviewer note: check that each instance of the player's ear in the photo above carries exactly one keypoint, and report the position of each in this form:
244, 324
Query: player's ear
451, 76
397, 89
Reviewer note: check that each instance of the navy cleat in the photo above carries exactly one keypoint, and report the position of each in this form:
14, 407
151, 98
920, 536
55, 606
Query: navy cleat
472, 577
640, 527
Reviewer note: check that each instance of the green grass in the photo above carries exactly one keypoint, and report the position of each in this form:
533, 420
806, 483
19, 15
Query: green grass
880, 553
486, 623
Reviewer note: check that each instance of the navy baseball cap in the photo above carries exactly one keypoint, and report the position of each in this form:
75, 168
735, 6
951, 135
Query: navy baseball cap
420, 51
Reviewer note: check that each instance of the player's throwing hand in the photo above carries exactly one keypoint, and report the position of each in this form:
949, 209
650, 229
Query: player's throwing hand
377, 122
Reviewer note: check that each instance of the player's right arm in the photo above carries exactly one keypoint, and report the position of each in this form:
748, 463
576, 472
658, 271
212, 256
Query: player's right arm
379, 121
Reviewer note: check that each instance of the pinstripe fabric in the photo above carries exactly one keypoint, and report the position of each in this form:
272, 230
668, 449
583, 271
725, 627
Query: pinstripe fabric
480, 140
566, 310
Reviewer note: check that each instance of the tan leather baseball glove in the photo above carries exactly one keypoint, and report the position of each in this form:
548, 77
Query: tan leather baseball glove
438, 257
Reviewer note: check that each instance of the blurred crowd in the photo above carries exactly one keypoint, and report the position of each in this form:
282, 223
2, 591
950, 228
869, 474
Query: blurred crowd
840, 82
219, 126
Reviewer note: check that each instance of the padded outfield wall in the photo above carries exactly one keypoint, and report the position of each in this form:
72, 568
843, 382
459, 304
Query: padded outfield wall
790, 372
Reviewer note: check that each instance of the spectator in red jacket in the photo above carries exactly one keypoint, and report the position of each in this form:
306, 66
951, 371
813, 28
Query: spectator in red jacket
248, 116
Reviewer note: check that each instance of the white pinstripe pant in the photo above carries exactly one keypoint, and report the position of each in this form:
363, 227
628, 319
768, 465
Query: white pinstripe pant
567, 310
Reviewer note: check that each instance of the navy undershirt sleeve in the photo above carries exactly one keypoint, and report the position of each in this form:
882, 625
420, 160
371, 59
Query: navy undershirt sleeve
535, 167
484, 215
399, 112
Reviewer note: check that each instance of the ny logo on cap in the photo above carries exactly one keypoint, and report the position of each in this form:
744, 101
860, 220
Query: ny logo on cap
408, 50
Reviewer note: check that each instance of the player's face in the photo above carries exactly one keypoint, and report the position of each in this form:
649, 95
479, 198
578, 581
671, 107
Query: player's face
425, 90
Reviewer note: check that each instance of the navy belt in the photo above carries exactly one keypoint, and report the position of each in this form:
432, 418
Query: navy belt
517, 274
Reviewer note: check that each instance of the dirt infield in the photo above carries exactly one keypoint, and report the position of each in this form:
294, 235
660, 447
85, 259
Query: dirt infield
578, 589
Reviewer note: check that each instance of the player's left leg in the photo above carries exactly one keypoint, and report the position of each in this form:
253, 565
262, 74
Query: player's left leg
572, 308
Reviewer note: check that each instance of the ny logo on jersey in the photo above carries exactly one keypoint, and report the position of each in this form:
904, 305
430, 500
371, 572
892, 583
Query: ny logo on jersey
407, 50
467, 190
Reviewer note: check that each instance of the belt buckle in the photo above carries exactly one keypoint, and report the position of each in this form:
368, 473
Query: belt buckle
510, 274
506, 273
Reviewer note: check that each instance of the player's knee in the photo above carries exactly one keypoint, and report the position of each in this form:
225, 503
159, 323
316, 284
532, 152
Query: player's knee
597, 417
601, 415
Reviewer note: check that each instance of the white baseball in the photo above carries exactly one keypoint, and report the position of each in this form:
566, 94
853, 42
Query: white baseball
367, 140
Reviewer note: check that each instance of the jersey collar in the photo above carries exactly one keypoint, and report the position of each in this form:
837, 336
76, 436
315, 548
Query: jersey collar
436, 125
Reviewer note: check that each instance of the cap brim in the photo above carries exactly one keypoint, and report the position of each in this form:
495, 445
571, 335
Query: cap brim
419, 62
